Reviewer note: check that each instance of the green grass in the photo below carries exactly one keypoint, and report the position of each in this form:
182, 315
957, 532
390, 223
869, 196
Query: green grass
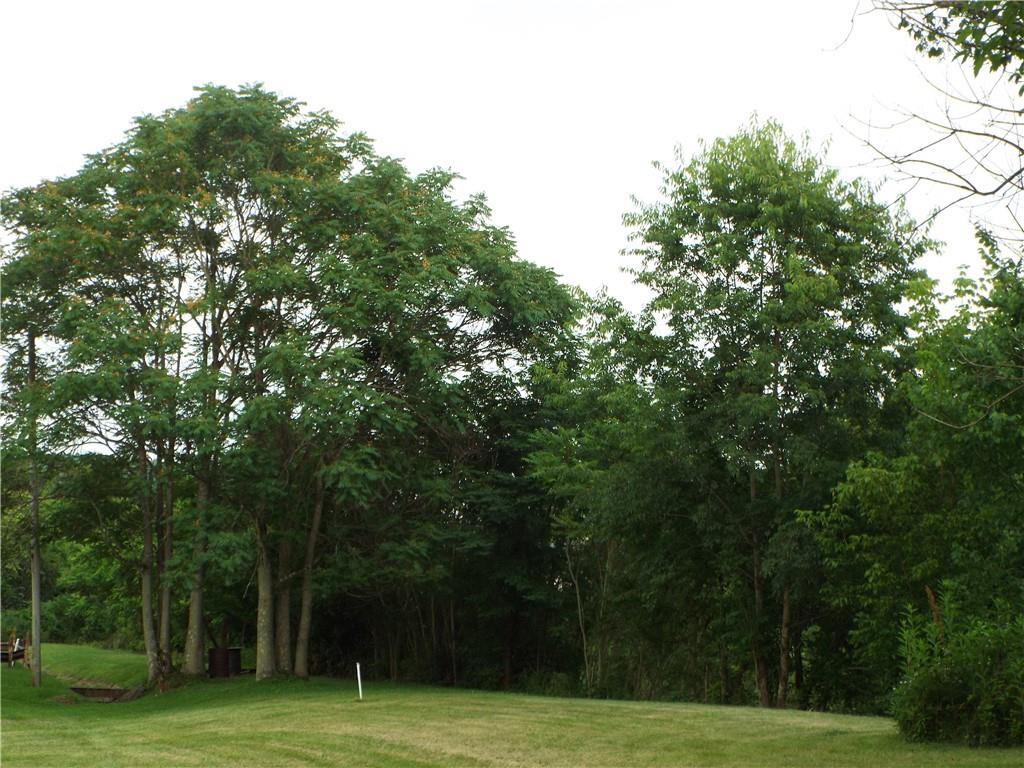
81, 664
242, 722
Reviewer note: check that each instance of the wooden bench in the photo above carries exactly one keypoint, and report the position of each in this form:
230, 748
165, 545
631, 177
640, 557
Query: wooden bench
8, 655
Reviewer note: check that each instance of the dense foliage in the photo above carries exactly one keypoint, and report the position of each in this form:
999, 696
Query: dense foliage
266, 387
766, 362
964, 679
278, 334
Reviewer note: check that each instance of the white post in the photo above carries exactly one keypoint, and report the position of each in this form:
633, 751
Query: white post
359, 680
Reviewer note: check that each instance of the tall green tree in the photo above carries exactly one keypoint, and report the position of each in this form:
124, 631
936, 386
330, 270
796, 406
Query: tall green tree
114, 295
779, 286
252, 299
33, 290
940, 511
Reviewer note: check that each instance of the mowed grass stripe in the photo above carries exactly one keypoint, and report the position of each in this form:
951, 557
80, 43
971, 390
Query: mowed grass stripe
242, 722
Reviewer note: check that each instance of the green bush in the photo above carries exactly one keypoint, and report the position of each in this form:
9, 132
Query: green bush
94, 598
17, 620
963, 680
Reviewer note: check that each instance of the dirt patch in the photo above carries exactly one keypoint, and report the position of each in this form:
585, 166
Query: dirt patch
105, 695
108, 695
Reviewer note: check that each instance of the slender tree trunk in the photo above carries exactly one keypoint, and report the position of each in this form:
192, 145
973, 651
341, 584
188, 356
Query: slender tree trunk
603, 635
435, 664
723, 675
37, 566
168, 537
579, 615
784, 647
193, 662
264, 609
306, 608
392, 654
511, 631
412, 639
451, 626
168, 553
159, 558
798, 663
283, 609
425, 649
764, 693
782, 692
148, 626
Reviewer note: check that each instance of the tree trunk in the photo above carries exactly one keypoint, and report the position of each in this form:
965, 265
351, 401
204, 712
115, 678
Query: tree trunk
435, 663
148, 627
306, 608
579, 615
798, 663
193, 662
264, 609
392, 654
424, 650
451, 626
168, 537
511, 631
723, 675
37, 566
783, 688
764, 694
283, 609
602, 632
168, 553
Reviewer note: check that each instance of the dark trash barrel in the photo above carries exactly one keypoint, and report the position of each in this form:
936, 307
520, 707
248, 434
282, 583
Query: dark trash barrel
218, 662
234, 661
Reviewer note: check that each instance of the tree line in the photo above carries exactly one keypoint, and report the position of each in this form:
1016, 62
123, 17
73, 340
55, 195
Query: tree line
265, 386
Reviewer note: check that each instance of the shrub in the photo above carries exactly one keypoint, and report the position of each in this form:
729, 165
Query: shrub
963, 680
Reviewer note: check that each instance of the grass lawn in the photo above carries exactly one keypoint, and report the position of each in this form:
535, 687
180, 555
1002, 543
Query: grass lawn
76, 664
241, 722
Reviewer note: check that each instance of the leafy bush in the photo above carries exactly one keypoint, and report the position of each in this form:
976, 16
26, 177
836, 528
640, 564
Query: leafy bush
94, 598
963, 680
17, 620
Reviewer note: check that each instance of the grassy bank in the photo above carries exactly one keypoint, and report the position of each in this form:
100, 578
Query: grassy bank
81, 664
242, 722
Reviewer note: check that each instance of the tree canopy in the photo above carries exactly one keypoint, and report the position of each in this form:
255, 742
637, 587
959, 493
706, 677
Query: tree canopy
269, 388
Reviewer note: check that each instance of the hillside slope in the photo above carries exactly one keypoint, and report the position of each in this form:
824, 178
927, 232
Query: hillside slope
242, 722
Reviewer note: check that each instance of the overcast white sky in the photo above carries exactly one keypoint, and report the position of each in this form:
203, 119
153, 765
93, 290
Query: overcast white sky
554, 109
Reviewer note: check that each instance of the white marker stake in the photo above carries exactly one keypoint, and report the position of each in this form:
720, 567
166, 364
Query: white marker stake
359, 680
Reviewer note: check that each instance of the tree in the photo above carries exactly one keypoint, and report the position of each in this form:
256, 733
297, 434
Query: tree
779, 288
248, 298
973, 151
26, 429
32, 291
113, 295
980, 34
941, 508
